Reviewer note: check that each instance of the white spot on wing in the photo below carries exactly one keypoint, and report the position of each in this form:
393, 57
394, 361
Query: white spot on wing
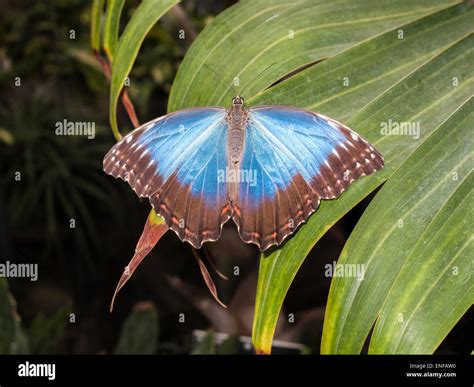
352, 145
333, 124
143, 153
343, 146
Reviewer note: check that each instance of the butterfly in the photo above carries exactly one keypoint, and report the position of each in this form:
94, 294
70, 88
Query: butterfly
267, 168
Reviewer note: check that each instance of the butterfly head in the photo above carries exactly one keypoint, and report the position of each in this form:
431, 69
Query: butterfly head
238, 100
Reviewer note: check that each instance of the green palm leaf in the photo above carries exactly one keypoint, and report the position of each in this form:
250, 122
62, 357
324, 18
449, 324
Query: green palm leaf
413, 242
392, 68
366, 63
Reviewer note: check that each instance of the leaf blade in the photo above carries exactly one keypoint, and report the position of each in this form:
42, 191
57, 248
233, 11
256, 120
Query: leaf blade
353, 307
143, 19
450, 231
96, 20
437, 272
237, 41
281, 267
111, 26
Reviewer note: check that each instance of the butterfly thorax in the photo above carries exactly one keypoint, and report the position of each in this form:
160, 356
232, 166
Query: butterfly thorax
237, 120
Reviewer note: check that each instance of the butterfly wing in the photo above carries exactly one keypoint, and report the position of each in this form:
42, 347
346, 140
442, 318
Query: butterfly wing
297, 157
174, 161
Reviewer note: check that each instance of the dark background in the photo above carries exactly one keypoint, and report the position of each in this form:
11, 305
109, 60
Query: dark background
62, 179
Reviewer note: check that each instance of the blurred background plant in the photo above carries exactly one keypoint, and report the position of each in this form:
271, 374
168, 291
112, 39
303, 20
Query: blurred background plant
48, 73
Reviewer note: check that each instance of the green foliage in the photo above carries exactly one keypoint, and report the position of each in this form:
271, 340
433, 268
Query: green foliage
206, 346
421, 93
58, 176
365, 63
111, 28
251, 35
209, 346
35, 41
45, 332
380, 88
414, 241
96, 16
42, 335
46, 78
146, 15
12, 337
139, 333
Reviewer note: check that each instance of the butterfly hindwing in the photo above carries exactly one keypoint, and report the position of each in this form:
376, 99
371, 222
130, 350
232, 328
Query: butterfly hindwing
174, 161
297, 158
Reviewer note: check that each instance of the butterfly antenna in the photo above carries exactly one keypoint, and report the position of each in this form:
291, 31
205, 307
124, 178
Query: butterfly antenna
254, 78
221, 78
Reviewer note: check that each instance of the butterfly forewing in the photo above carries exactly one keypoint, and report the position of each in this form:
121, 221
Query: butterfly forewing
174, 161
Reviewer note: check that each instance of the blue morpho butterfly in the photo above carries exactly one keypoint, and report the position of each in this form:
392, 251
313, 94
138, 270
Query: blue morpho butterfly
266, 167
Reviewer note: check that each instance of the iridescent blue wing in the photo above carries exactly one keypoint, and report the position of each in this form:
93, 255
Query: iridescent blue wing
296, 157
174, 161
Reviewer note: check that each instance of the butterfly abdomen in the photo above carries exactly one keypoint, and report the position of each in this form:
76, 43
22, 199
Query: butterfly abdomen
237, 120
